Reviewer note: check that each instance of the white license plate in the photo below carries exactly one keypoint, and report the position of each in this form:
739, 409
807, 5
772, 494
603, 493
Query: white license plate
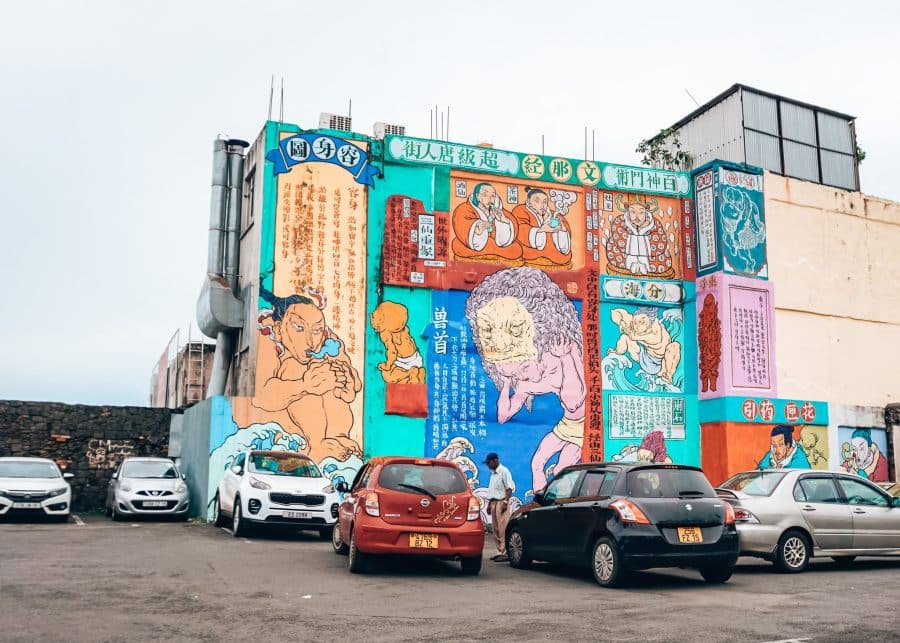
155, 503
26, 505
297, 515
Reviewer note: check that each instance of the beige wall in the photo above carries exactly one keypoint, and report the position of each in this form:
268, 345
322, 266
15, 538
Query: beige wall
834, 257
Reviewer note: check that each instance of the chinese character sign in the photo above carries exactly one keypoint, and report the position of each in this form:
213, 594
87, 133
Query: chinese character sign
320, 148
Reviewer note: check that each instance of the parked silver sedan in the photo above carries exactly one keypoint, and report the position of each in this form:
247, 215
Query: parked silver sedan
147, 486
788, 516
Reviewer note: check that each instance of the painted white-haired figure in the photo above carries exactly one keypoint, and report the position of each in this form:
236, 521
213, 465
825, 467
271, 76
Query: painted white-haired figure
529, 338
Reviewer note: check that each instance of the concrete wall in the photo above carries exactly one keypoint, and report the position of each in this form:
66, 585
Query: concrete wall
834, 257
88, 441
194, 453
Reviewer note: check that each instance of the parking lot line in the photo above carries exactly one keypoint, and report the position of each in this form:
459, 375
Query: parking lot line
78, 520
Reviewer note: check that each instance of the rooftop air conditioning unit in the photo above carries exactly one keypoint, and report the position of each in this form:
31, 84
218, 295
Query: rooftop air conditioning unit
386, 129
335, 122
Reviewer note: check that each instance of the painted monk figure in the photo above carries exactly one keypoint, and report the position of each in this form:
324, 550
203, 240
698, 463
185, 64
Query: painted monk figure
483, 230
647, 341
545, 235
312, 381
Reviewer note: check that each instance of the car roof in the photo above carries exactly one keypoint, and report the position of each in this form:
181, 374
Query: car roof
290, 454
630, 466
25, 459
407, 459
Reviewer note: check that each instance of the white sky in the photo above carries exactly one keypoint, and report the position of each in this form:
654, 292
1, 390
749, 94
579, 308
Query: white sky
109, 110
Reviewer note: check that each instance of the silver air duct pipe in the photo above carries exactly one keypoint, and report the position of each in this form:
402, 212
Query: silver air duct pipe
219, 310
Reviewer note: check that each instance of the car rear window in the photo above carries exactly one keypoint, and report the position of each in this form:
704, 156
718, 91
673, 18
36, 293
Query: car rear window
754, 483
668, 483
435, 479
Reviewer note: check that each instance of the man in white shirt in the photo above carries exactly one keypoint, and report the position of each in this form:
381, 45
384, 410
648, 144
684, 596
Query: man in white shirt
500, 490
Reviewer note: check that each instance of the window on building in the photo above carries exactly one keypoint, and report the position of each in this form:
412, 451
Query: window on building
249, 210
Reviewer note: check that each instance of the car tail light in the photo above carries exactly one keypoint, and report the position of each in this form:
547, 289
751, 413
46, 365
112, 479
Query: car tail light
729, 514
372, 507
742, 515
629, 512
474, 508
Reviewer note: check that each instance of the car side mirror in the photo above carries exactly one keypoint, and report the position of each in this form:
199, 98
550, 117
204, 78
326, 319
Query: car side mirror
539, 497
183, 476
342, 487
69, 476
236, 470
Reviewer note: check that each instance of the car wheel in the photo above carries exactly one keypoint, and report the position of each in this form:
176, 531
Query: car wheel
63, 518
517, 551
114, 513
108, 510
340, 548
238, 528
843, 561
471, 566
792, 552
356, 560
606, 563
218, 518
717, 573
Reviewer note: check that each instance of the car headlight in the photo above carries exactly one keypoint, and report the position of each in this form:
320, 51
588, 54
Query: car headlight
56, 492
328, 489
256, 483
125, 486
180, 488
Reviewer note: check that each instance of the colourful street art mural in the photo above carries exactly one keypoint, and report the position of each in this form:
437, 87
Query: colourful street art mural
864, 452
431, 298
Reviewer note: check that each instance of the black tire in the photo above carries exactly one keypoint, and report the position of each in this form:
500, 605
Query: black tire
471, 566
337, 543
357, 562
109, 510
238, 525
218, 518
843, 561
517, 550
114, 513
792, 552
64, 518
606, 563
717, 573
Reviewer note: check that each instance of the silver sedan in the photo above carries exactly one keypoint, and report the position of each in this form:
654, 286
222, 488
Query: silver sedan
147, 486
788, 516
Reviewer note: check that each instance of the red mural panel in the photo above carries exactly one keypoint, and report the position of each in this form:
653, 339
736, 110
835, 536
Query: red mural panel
415, 250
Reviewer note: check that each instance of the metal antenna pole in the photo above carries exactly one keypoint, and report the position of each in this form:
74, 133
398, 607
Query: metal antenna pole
448, 122
281, 107
271, 95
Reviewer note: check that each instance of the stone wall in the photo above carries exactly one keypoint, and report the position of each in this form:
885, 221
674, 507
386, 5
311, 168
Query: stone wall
87, 441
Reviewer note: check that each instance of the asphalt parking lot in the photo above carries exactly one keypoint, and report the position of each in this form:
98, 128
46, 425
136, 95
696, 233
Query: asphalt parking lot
149, 581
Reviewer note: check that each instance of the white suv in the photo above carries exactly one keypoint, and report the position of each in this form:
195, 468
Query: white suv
275, 488
34, 487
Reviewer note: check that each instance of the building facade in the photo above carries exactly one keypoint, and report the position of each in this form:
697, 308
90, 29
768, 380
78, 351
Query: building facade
424, 297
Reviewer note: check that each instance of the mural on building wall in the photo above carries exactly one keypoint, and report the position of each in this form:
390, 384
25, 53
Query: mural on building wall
643, 349
864, 452
651, 449
403, 362
511, 356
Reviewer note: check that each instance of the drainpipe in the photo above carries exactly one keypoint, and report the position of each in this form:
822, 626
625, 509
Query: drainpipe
219, 309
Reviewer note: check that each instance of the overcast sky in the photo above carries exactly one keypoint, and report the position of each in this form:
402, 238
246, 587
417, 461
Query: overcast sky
109, 110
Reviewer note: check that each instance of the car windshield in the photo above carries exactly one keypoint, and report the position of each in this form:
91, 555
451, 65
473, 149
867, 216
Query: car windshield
284, 465
664, 482
149, 469
754, 483
28, 470
427, 479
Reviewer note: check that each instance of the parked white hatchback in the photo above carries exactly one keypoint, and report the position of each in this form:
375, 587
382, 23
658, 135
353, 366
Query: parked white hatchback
34, 487
271, 488
147, 487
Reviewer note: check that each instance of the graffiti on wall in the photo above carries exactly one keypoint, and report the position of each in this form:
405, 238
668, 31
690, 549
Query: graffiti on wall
508, 374
864, 452
107, 454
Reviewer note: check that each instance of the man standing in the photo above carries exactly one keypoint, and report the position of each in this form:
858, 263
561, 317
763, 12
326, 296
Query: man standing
500, 490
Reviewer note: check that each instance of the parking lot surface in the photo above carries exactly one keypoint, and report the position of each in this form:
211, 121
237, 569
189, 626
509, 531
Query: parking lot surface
148, 581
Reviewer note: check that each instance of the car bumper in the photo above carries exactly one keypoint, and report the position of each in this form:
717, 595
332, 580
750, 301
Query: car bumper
295, 515
643, 547
55, 506
138, 505
466, 541
758, 540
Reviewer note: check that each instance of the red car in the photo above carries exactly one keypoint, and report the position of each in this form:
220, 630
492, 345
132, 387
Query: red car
411, 507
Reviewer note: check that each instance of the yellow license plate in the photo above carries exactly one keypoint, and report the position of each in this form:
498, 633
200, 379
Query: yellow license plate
424, 541
690, 535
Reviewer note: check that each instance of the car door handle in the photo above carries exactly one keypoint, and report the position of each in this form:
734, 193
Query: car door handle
859, 511
808, 508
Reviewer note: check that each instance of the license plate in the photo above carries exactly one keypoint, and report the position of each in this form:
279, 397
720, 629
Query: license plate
690, 535
26, 505
297, 515
424, 541
155, 503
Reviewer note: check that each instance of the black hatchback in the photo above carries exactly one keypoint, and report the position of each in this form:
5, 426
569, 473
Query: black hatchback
617, 518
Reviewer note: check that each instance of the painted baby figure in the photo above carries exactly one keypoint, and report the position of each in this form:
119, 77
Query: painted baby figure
403, 363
